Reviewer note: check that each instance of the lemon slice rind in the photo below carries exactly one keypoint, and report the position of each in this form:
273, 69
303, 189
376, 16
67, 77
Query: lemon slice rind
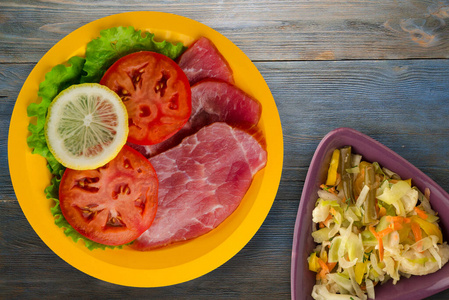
86, 126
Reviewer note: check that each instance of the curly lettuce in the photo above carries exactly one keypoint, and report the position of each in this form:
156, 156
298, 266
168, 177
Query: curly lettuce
101, 53
58, 79
117, 42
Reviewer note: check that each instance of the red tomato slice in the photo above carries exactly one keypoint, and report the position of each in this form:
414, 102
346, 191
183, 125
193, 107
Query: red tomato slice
156, 93
114, 204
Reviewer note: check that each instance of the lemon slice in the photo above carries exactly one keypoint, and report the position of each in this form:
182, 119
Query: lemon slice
86, 126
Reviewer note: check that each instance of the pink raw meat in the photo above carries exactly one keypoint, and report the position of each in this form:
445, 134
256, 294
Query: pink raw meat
212, 101
203, 60
201, 182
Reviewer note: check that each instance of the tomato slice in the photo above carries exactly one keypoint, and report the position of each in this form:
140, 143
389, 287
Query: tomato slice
114, 204
156, 93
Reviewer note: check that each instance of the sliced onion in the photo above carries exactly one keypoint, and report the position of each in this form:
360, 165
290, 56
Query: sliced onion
376, 268
334, 230
362, 196
328, 196
356, 159
346, 264
320, 292
355, 285
436, 256
370, 289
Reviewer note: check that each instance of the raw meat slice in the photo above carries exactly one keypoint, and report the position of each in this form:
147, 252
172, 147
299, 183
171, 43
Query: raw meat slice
216, 101
201, 182
212, 101
203, 60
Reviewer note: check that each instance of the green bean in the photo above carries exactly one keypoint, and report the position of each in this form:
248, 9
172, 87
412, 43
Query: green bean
346, 178
369, 206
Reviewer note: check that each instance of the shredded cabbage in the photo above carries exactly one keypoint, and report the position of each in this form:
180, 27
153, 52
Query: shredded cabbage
404, 239
362, 196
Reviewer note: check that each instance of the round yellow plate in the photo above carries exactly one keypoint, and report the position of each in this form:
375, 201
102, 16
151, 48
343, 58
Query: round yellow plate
173, 264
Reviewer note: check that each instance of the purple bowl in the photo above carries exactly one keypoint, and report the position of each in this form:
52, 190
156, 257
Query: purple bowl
302, 280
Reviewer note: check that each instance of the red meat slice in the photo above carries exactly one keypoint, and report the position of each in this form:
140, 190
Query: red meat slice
212, 101
203, 60
201, 182
218, 101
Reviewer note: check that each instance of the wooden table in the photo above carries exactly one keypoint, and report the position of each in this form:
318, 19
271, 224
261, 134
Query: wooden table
380, 67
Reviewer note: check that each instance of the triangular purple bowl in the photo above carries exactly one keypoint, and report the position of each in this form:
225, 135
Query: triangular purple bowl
302, 280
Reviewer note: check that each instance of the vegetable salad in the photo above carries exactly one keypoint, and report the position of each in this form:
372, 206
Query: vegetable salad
371, 227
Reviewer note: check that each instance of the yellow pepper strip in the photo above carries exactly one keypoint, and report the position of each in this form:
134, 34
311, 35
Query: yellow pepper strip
359, 271
313, 263
429, 228
323, 256
319, 265
332, 171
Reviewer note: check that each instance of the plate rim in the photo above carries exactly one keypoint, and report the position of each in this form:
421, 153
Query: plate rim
173, 274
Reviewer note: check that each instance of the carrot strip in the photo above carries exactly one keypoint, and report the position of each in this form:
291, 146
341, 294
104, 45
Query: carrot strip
329, 189
395, 226
382, 211
398, 219
323, 265
333, 191
373, 231
329, 217
324, 269
422, 214
416, 229
331, 266
379, 241
381, 249
384, 232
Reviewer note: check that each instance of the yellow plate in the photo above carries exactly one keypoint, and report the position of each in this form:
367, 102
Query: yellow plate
172, 264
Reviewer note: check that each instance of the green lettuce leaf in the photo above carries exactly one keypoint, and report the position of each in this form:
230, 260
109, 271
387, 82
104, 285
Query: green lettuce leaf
58, 79
117, 42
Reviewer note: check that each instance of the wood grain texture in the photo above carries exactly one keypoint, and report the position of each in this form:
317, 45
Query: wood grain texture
380, 67
391, 101
264, 30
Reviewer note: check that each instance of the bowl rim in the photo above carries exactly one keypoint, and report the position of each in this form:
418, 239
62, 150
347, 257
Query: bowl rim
369, 148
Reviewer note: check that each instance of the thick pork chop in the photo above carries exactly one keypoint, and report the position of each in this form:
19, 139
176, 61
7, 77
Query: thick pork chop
201, 182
